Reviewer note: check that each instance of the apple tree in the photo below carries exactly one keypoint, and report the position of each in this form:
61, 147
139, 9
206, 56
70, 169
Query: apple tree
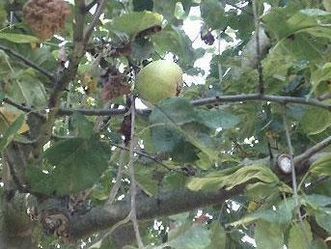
224, 144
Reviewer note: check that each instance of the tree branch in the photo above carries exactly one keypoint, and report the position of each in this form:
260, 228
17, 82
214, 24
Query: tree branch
208, 101
298, 160
90, 5
198, 102
258, 97
95, 20
27, 62
23, 108
133, 186
147, 208
258, 49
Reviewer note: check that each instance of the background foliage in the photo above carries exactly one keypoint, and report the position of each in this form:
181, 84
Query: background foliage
202, 141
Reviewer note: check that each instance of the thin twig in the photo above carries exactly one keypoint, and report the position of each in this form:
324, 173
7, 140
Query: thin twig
258, 97
312, 151
133, 189
258, 50
93, 112
293, 173
90, 5
118, 181
291, 154
113, 228
208, 101
140, 153
23, 108
27, 62
95, 20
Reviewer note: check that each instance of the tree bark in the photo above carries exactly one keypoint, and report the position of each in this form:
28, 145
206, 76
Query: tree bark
169, 203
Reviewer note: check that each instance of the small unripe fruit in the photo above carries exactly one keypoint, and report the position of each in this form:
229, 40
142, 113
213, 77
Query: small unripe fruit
159, 80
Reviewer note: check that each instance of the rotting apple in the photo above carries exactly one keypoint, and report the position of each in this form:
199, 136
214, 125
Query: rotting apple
159, 80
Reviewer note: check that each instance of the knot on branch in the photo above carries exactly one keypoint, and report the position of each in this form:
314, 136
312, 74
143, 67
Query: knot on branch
284, 163
56, 224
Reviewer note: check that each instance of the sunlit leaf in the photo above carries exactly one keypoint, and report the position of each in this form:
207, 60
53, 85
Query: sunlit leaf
8, 116
18, 38
135, 22
229, 181
10, 133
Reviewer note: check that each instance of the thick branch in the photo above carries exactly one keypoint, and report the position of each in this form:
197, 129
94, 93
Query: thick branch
167, 203
27, 62
147, 208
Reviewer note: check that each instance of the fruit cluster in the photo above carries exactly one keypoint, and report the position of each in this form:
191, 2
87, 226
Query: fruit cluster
46, 17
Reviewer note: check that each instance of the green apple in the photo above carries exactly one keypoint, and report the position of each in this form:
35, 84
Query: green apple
159, 80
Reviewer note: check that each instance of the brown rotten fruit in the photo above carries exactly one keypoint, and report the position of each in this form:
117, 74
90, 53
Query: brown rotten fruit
46, 17
159, 80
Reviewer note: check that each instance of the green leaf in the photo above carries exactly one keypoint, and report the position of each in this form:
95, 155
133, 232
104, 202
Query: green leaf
322, 166
268, 235
82, 126
173, 126
217, 119
10, 133
173, 40
319, 244
212, 12
218, 236
315, 121
141, 5
316, 201
244, 174
27, 88
135, 22
321, 74
294, 21
173, 111
300, 236
2, 96
281, 214
323, 219
72, 165
174, 181
189, 237
146, 180
18, 38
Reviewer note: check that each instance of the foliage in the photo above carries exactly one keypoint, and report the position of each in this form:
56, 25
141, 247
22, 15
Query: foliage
223, 133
